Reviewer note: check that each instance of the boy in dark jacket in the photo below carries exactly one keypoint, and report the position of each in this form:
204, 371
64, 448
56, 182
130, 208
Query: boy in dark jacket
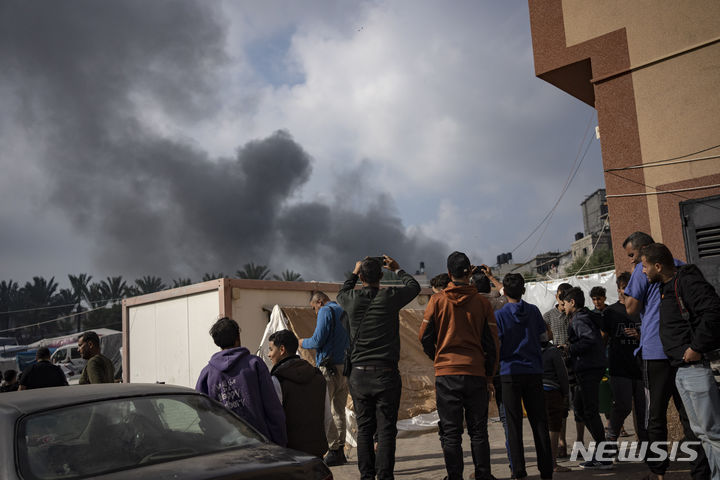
690, 334
587, 356
557, 389
241, 381
520, 327
302, 390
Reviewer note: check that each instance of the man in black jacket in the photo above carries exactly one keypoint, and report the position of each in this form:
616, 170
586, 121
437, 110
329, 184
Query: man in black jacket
374, 381
42, 373
587, 357
690, 334
302, 391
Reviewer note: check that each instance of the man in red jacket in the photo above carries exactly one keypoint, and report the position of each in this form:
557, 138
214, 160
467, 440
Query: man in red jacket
456, 335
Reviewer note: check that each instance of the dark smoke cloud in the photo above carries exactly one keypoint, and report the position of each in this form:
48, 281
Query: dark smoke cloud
157, 205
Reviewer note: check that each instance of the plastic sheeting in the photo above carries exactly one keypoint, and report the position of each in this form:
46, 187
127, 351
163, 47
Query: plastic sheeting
542, 294
277, 322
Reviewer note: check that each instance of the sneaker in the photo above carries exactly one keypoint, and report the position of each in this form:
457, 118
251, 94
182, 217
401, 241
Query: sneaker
596, 465
335, 458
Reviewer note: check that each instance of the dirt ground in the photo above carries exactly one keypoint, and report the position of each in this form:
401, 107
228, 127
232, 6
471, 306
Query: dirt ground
420, 458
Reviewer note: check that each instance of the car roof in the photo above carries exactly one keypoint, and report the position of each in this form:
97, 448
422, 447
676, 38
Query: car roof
30, 401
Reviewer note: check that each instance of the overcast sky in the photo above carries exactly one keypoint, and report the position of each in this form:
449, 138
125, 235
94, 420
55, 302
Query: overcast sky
177, 138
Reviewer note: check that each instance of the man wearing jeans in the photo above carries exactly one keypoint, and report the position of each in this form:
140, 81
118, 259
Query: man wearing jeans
374, 382
690, 333
643, 297
456, 335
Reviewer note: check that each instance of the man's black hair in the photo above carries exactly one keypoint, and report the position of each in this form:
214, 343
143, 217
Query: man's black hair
371, 270
458, 265
562, 289
482, 283
658, 253
225, 332
638, 240
440, 281
622, 280
287, 339
597, 292
514, 285
43, 353
90, 336
577, 295
9, 375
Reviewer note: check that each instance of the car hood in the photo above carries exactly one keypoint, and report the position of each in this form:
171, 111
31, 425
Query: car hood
249, 463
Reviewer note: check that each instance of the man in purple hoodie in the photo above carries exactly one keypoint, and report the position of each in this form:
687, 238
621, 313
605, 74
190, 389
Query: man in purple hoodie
241, 381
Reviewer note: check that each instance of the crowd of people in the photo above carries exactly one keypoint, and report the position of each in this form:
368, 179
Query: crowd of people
657, 343
43, 373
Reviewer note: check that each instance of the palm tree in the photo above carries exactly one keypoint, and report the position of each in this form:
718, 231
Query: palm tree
289, 276
113, 288
39, 293
149, 284
9, 301
212, 276
81, 289
181, 282
255, 272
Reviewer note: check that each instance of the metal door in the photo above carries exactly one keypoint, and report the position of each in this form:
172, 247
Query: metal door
701, 230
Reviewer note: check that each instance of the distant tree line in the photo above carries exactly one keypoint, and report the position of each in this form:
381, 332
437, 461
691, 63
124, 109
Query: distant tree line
31, 312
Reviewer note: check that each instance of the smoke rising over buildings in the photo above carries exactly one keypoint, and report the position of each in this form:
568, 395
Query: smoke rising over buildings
80, 82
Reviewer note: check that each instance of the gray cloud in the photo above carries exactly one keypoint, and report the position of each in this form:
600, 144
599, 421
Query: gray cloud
84, 76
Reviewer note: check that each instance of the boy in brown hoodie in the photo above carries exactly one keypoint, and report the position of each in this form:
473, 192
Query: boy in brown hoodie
456, 335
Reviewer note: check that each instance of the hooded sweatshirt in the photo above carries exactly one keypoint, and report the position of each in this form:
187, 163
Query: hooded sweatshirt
242, 383
520, 326
303, 393
456, 332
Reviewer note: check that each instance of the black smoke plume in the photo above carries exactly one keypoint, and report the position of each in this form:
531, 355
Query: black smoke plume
82, 73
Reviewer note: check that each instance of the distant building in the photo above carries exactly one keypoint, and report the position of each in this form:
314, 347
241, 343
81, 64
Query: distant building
594, 211
597, 230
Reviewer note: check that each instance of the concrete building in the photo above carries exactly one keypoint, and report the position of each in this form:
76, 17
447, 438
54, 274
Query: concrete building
594, 211
652, 72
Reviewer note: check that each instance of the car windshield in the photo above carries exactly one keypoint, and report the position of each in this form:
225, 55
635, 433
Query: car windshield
118, 434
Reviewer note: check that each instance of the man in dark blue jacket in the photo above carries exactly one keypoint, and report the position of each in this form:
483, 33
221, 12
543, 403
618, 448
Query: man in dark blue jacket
587, 356
520, 330
330, 340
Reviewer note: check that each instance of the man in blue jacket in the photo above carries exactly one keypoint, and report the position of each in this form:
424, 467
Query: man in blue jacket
241, 381
330, 340
587, 356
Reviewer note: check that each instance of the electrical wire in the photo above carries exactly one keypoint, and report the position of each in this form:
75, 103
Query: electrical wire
37, 324
576, 167
663, 164
58, 306
605, 224
659, 190
641, 165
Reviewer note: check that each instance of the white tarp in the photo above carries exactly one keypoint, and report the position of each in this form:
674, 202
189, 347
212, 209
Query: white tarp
542, 294
277, 322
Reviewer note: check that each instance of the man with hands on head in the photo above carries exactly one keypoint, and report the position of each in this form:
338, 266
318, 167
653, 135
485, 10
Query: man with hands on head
374, 379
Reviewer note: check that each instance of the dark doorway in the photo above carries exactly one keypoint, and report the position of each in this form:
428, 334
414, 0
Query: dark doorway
701, 230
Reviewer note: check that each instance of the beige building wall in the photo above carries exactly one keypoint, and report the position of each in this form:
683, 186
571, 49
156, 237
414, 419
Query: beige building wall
674, 52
